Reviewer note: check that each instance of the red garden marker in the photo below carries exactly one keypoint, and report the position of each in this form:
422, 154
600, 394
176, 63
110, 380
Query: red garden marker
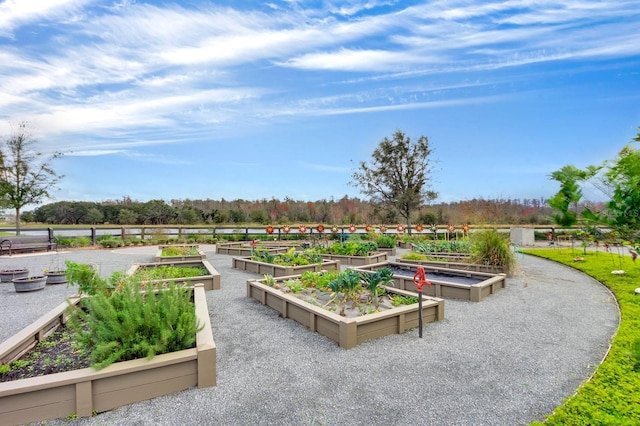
420, 279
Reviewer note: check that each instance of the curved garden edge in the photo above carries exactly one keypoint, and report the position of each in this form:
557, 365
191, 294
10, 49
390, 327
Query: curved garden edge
609, 394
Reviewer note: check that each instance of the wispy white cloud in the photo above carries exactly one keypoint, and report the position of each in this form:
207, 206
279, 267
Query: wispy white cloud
14, 13
130, 69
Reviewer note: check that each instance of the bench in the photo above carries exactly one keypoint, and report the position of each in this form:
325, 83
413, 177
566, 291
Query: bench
36, 242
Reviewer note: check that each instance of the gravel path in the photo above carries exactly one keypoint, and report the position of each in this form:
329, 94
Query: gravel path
508, 360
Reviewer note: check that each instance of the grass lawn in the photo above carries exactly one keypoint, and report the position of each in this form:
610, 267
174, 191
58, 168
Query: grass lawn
612, 396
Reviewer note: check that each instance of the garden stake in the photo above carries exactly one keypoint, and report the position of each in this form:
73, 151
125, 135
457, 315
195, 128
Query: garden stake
420, 279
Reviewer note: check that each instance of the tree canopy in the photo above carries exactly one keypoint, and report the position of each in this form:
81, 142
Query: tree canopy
26, 175
618, 179
398, 175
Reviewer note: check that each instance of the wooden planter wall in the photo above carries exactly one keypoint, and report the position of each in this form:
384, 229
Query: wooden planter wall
490, 284
211, 281
263, 268
244, 248
160, 258
375, 257
82, 392
347, 332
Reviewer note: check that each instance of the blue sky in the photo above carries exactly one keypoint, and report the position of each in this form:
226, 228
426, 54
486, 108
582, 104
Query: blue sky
199, 99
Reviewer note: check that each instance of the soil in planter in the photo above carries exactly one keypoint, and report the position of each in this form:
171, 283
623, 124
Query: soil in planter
55, 354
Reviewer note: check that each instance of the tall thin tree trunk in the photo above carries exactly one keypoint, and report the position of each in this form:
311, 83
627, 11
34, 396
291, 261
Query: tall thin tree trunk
17, 221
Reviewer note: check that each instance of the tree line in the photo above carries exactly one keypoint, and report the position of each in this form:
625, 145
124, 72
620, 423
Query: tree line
343, 211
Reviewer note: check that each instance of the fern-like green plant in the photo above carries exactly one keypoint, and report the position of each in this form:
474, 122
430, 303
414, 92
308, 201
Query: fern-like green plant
134, 323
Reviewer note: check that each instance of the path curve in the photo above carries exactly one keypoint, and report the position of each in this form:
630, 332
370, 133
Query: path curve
508, 360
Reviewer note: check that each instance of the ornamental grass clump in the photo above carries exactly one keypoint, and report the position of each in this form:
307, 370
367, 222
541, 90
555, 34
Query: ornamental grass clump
491, 248
134, 322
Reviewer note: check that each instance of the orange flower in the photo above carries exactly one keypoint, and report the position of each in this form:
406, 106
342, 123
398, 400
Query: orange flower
302, 229
419, 228
320, 228
269, 229
400, 228
352, 228
286, 229
367, 228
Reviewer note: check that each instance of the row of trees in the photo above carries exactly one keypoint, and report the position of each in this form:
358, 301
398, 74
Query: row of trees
397, 181
274, 211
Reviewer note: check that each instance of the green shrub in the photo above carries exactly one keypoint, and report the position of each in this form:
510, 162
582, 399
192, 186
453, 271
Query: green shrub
131, 323
491, 248
412, 255
443, 246
385, 241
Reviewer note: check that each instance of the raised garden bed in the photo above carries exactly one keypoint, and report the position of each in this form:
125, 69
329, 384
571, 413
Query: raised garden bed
445, 282
460, 265
263, 268
211, 279
375, 257
244, 248
346, 331
85, 391
172, 253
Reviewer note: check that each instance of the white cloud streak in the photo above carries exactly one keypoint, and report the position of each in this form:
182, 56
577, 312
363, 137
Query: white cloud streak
171, 68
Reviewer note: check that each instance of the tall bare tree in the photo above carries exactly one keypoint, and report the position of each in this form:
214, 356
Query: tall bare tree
399, 175
26, 175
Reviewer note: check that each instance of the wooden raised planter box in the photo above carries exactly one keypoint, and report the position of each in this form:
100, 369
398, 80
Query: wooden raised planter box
244, 248
85, 391
489, 284
263, 268
375, 257
347, 332
160, 258
388, 251
211, 281
465, 266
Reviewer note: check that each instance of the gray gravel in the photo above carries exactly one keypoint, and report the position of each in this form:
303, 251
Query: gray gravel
508, 360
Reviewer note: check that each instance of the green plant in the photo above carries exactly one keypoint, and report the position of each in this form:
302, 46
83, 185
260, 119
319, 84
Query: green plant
491, 248
375, 281
134, 322
397, 300
385, 241
5, 368
86, 278
164, 272
413, 255
179, 251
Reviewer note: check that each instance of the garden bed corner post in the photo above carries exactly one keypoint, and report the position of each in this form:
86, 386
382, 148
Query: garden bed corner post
420, 279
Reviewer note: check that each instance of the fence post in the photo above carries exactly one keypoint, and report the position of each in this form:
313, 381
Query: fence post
93, 235
50, 232
122, 235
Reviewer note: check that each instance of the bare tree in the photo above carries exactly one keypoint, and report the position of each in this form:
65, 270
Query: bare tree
26, 176
399, 175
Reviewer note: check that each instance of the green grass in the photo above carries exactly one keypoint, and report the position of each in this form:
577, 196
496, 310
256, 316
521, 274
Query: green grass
612, 396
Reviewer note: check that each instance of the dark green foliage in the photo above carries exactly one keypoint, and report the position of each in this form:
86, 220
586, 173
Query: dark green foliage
348, 248
132, 323
290, 258
86, 278
442, 246
568, 195
398, 176
166, 272
385, 241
